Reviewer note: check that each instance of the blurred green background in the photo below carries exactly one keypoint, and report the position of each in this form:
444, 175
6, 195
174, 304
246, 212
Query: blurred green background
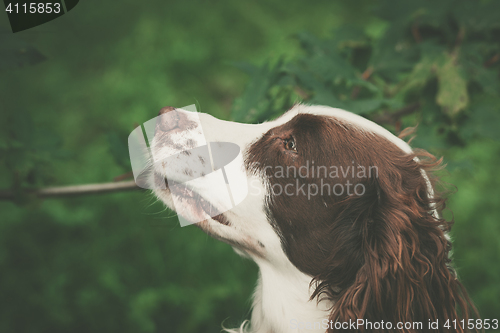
73, 89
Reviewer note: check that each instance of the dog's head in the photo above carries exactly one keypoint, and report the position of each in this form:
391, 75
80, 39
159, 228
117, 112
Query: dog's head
331, 194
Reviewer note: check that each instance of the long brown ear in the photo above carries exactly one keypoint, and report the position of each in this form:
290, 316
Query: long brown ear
392, 259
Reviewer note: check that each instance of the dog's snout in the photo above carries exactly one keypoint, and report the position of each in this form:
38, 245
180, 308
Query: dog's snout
166, 109
168, 120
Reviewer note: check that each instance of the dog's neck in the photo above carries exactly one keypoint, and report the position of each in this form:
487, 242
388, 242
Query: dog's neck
281, 302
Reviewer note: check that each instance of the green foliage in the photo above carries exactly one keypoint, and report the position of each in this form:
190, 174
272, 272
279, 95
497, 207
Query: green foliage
15, 53
477, 228
120, 263
441, 56
432, 64
75, 266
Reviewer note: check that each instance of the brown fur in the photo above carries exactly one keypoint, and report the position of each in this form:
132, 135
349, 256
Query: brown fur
382, 255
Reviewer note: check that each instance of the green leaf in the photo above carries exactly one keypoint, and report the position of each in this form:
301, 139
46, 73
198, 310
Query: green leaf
15, 52
452, 91
472, 57
322, 93
118, 148
254, 100
324, 59
421, 74
245, 67
431, 137
364, 106
484, 118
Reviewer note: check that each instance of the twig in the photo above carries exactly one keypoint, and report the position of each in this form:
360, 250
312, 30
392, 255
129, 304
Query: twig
302, 94
367, 73
123, 176
392, 117
365, 76
492, 60
415, 32
458, 42
69, 191
397, 126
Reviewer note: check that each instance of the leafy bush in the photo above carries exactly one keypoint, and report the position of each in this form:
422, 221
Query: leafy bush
434, 64
120, 262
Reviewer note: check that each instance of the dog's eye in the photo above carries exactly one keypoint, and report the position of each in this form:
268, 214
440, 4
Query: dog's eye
290, 144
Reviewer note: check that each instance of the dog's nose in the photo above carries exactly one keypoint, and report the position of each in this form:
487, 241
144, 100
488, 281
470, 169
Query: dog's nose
168, 120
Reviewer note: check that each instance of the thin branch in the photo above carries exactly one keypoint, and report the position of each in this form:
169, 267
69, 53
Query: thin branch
416, 32
365, 76
492, 60
397, 126
70, 191
367, 73
302, 94
458, 42
123, 176
393, 117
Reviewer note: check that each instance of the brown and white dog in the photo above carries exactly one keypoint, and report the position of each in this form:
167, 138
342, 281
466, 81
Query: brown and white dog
341, 218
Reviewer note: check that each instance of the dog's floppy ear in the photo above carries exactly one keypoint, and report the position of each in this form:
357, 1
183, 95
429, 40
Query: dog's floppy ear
391, 256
